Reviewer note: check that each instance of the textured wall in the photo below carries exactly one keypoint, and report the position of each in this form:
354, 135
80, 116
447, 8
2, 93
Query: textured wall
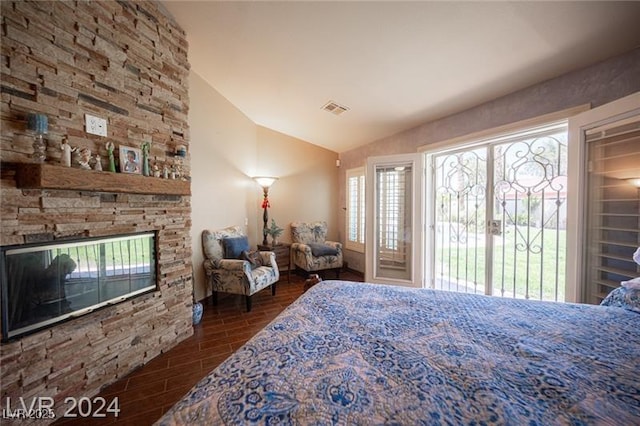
598, 84
126, 62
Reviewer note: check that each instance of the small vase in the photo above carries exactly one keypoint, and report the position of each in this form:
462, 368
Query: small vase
39, 148
197, 313
274, 241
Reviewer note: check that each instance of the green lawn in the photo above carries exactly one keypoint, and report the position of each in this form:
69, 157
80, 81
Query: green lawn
524, 265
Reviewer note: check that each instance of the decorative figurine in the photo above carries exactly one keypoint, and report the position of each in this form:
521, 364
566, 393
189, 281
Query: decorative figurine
165, 172
145, 158
66, 149
98, 164
156, 171
84, 158
112, 160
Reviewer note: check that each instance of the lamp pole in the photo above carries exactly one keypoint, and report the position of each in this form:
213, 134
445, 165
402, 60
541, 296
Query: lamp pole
265, 214
265, 182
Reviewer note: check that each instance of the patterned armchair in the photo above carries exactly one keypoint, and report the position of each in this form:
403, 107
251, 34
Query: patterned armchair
310, 249
233, 275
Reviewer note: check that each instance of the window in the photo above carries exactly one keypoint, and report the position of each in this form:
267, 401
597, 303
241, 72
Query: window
395, 224
613, 208
394, 189
355, 210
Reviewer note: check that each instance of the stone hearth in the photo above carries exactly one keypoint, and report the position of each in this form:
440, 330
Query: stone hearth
125, 62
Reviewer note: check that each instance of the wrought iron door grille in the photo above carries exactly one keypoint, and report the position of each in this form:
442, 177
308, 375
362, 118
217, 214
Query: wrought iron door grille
500, 216
530, 181
460, 218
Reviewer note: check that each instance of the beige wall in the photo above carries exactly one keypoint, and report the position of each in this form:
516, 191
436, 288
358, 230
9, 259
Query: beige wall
307, 186
227, 149
223, 156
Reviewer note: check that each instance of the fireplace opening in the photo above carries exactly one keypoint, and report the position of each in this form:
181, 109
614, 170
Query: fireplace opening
45, 284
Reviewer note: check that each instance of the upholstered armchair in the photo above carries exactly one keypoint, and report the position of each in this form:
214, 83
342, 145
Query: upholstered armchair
231, 268
311, 251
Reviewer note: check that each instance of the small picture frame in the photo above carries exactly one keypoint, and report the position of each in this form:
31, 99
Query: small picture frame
130, 160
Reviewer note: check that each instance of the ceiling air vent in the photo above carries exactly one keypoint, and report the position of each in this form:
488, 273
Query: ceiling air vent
334, 108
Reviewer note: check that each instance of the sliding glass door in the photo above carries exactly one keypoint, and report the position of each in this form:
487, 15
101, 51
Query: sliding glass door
497, 216
458, 231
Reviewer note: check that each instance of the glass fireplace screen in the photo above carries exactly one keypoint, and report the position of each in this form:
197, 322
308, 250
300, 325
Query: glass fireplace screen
48, 283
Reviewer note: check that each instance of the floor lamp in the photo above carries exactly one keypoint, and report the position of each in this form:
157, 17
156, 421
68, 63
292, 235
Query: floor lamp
265, 182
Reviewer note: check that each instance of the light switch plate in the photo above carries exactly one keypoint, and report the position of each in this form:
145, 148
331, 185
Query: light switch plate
95, 125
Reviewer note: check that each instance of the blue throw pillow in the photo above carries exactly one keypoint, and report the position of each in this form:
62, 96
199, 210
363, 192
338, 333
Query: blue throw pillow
233, 247
318, 249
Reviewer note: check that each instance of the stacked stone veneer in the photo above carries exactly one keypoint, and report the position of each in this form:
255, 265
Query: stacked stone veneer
127, 62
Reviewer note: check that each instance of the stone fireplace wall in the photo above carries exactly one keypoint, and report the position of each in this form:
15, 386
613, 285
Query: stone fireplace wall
124, 61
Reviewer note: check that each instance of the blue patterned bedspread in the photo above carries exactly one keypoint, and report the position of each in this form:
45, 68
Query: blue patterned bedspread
352, 353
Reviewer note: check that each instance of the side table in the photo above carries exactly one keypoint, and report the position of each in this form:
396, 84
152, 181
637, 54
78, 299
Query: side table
283, 256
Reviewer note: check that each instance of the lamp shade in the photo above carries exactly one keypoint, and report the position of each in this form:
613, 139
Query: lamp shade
265, 181
38, 123
635, 182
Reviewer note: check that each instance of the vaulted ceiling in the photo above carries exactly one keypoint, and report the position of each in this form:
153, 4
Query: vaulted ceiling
392, 64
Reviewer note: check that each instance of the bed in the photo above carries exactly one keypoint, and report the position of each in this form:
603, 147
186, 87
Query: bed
356, 353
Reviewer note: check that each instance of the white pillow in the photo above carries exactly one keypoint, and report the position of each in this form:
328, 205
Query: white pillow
634, 283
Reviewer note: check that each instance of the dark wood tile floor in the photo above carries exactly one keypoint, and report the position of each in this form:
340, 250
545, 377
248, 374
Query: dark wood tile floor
148, 392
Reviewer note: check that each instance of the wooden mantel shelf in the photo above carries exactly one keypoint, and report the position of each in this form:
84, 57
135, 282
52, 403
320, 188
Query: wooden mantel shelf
48, 176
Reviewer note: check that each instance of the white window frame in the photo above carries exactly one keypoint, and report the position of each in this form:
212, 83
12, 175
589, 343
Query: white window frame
413, 274
609, 113
358, 245
574, 182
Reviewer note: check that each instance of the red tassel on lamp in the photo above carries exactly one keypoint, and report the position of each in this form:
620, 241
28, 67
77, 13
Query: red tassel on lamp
265, 182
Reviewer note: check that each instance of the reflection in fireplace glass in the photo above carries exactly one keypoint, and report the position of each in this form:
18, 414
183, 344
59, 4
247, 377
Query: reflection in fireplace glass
48, 283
